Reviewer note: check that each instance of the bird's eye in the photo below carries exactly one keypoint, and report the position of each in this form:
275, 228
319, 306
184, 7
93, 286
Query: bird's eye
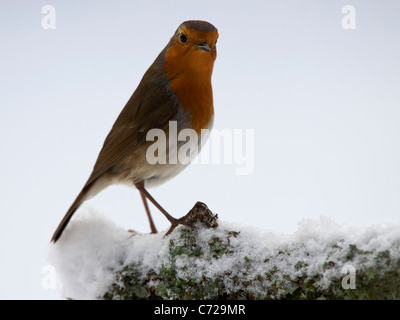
182, 38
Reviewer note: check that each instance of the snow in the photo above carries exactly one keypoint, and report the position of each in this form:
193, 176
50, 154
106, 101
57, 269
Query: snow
93, 248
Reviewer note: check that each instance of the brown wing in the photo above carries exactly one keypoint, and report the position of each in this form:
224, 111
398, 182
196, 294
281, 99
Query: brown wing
150, 106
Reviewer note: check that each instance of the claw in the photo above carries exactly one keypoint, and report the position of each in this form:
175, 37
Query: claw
179, 221
199, 213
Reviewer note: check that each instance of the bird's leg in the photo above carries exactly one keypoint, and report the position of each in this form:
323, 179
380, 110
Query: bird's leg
146, 206
143, 192
174, 222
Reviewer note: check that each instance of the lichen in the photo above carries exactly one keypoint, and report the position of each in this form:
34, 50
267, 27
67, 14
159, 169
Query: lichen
183, 273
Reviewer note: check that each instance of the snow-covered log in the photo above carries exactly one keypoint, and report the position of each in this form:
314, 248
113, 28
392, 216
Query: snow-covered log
213, 259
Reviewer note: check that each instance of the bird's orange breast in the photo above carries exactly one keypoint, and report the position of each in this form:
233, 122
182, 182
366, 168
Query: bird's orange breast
189, 74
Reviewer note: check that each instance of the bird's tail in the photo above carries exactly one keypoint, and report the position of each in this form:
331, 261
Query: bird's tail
82, 196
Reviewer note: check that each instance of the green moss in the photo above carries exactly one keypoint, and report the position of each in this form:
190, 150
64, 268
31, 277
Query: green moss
353, 251
377, 279
189, 246
217, 248
128, 286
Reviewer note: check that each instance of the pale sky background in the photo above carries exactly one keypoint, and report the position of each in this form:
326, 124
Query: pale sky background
324, 104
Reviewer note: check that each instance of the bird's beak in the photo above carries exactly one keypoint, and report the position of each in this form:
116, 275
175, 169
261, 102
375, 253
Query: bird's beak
203, 46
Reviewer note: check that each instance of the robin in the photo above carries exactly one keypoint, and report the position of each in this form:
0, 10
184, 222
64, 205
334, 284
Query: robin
175, 89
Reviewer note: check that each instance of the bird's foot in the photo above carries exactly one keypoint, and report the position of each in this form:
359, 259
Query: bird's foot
183, 221
199, 213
